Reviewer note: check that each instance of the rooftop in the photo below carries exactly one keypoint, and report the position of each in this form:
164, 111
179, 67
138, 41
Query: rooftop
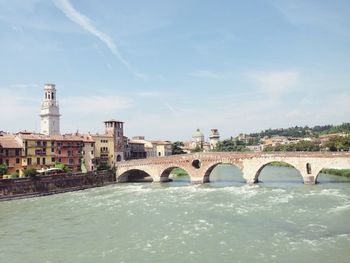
8, 141
113, 120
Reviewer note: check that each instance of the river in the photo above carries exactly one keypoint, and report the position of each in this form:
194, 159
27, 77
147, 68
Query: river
277, 220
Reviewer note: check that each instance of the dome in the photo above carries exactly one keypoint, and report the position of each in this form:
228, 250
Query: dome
197, 134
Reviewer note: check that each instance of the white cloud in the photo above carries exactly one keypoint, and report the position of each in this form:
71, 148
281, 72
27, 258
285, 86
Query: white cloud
149, 94
276, 83
20, 110
67, 8
206, 74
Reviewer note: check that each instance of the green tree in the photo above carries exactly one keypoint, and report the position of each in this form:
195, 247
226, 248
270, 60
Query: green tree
230, 145
176, 148
30, 172
3, 169
14, 175
63, 167
103, 167
338, 143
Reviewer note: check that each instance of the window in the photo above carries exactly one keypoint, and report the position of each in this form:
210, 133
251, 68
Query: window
7, 152
92, 152
69, 153
92, 144
44, 144
37, 160
53, 159
7, 162
17, 152
29, 161
71, 161
59, 152
17, 160
44, 161
52, 150
59, 160
1, 161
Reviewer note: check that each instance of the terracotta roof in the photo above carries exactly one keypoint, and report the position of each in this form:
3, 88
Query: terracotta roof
9, 142
34, 136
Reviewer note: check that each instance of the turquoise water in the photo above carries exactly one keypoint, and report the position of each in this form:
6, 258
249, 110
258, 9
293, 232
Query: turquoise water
278, 220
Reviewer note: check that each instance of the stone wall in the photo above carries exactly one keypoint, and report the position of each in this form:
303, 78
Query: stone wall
52, 184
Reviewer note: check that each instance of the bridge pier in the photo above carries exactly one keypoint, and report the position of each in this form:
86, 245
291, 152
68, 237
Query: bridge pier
309, 179
197, 180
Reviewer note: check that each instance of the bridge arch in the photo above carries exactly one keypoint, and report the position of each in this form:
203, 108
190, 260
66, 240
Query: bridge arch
286, 163
210, 169
134, 175
164, 176
319, 171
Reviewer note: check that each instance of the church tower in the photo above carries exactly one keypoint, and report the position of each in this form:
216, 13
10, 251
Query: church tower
50, 112
214, 138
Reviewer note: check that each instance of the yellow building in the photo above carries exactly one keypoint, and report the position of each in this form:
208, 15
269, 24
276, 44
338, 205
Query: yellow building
163, 148
38, 151
104, 149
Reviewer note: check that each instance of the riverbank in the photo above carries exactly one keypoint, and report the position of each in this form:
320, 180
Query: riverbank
178, 172
53, 184
339, 172
280, 164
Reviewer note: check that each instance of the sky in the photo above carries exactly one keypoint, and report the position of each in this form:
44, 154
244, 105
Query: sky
168, 67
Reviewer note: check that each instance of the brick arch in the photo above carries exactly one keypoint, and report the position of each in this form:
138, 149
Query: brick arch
295, 166
133, 174
164, 176
211, 167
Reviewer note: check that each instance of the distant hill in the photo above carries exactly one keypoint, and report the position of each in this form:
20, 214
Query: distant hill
304, 131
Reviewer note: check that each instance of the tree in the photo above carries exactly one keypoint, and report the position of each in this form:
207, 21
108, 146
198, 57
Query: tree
338, 143
176, 148
3, 169
103, 167
230, 145
63, 167
30, 172
14, 175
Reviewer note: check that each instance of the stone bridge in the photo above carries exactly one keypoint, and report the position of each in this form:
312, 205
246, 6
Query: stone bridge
200, 165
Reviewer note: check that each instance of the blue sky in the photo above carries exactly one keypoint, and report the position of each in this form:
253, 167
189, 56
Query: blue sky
169, 67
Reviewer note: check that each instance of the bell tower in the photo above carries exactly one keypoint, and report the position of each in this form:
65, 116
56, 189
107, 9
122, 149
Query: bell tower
116, 129
50, 112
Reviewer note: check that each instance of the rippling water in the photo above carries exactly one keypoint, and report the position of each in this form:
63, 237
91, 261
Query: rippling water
278, 220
